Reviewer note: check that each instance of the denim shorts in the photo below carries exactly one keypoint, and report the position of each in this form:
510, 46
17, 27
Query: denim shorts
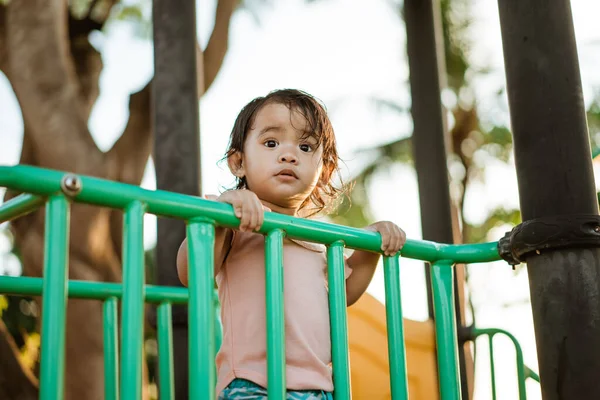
242, 389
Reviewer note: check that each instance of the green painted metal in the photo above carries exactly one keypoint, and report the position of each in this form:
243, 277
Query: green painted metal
492, 366
445, 330
118, 195
530, 374
201, 215
339, 321
275, 314
395, 328
165, 352
201, 242
92, 290
19, 206
521, 368
133, 301
54, 301
111, 349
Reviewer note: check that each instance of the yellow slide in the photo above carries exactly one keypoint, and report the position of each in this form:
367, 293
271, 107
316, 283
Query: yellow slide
369, 366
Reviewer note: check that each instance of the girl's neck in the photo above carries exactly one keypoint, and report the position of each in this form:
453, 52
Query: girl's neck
287, 210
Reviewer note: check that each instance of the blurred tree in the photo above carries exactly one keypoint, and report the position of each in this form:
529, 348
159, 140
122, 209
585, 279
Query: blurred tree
471, 142
46, 54
593, 117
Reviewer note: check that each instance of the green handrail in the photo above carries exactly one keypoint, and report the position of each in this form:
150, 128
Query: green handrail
445, 329
523, 372
54, 301
201, 241
44, 182
56, 189
111, 349
339, 323
275, 314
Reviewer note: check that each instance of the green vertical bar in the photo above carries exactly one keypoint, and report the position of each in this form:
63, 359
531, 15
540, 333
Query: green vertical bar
275, 315
492, 366
111, 355
54, 299
339, 322
445, 330
133, 302
521, 374
395, 328
165, 352
520, 367
201, 312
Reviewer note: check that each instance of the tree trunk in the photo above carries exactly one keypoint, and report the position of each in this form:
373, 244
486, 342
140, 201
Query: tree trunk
54, 72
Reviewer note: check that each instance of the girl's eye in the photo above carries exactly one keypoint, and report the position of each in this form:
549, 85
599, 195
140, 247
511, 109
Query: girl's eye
305, 147
271, 143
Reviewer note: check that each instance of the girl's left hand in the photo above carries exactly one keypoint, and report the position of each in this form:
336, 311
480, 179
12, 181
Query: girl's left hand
392, 237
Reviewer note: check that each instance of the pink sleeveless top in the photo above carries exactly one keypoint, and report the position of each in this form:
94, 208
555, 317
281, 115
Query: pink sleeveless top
241, 285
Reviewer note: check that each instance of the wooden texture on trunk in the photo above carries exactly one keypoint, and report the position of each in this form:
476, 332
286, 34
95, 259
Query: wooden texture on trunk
54, 71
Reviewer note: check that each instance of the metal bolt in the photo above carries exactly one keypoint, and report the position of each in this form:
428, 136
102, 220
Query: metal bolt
71, 185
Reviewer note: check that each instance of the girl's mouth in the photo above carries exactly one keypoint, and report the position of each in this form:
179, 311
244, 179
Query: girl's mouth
287, 173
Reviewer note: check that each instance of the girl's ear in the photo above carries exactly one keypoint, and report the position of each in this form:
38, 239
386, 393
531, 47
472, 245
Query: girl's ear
235, 164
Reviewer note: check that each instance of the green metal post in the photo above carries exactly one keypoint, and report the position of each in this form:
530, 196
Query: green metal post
54, 300
25, 285
521, 369
106, 193
165, 352
395, 328
275, 315
21, 205
339, 321
111, 350
201, 242
133, 302
492, 366
445, 330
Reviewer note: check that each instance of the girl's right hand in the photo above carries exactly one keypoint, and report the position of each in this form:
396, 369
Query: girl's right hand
247, 208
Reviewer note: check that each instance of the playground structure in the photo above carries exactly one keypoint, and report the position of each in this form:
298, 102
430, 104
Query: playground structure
555, 179
56, 190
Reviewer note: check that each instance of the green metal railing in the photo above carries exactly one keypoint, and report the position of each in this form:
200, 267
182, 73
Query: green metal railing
523, 372
58, 189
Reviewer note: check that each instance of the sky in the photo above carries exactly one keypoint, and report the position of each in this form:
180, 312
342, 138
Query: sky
347, 53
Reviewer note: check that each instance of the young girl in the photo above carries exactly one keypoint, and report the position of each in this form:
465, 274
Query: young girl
283, 153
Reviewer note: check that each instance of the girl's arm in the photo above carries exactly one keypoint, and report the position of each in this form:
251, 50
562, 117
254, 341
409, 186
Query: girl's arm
247, 208
363, 263
363, 266
222, 244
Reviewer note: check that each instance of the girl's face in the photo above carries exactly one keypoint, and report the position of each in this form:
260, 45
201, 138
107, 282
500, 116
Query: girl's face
281, 163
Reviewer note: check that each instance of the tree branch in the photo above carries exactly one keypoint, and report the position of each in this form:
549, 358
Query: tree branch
88, 66
83, 27
16, 381
91, 8
217, 46
45, 83
133, 148
130, 153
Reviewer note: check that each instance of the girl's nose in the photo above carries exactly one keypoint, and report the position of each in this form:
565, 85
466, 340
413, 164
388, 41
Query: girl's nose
288, 157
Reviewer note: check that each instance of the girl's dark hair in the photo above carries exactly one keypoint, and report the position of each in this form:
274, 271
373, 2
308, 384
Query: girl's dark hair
318, 126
